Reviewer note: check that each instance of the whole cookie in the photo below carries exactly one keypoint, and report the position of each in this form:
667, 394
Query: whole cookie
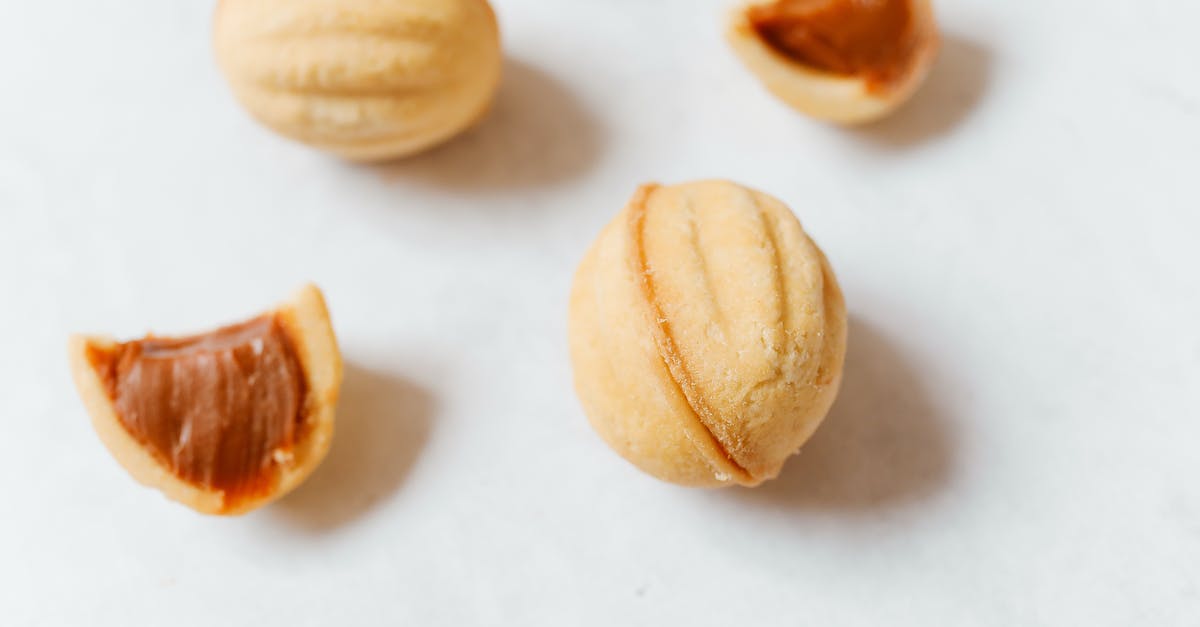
707, 333
365, 79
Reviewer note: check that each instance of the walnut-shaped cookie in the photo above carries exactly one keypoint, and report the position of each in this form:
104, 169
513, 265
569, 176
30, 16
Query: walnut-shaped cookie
707, 334
368, 80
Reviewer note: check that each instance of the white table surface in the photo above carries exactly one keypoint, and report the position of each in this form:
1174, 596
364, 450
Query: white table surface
1018, 437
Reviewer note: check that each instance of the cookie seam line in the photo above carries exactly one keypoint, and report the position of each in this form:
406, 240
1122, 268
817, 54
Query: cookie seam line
662, 335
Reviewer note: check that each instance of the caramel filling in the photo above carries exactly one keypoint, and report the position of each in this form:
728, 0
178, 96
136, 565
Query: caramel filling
872, 39
222, 410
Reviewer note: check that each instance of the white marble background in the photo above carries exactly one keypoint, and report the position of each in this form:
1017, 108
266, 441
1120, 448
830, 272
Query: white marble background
1018, 441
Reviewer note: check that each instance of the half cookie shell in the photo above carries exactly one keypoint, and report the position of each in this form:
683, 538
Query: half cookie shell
223, 421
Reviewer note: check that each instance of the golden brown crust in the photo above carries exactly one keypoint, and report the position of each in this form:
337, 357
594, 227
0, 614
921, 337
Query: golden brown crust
830, 96
707, 334
364, 79
629, 396
306, 320
724, 463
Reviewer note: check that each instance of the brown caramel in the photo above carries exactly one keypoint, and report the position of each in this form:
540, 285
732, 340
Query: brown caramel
221, 410
872, 39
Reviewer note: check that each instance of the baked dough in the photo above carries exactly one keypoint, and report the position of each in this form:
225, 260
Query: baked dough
368, 80
833, 94
707, 334
305, 320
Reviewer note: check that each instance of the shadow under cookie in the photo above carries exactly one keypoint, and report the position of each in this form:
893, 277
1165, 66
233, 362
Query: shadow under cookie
957, 83
884, 443
537, 133
382, 425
